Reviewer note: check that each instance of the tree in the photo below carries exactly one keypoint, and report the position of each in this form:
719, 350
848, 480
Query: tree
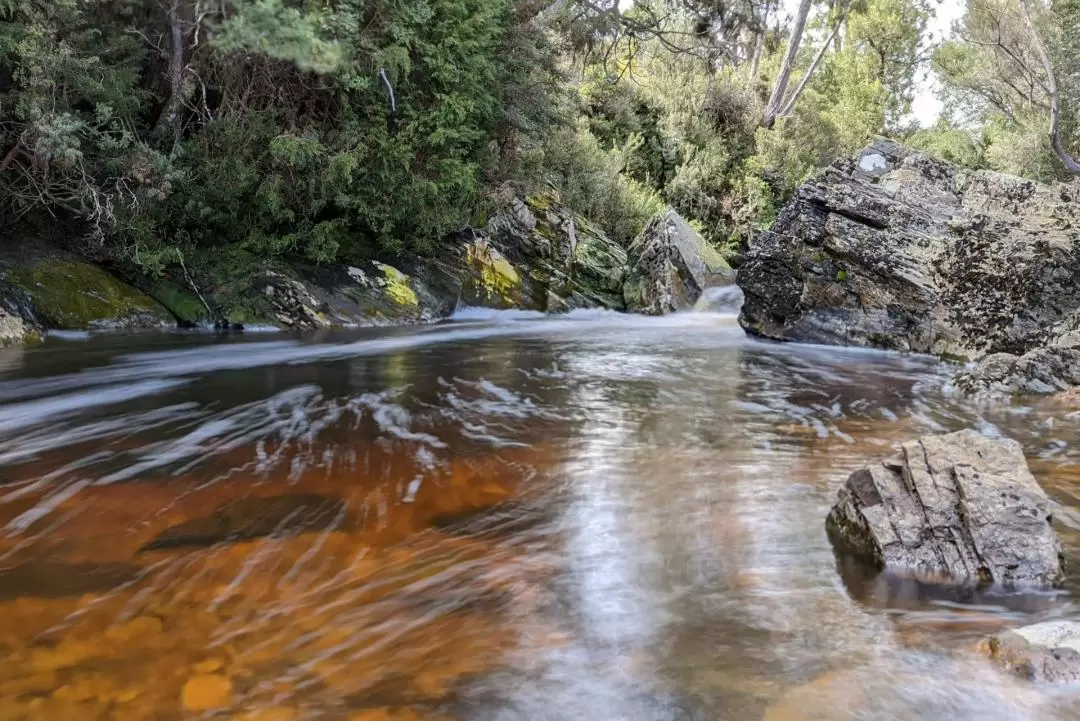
1002, 63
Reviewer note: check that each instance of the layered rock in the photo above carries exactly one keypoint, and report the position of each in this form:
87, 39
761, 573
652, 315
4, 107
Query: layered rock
671, 265
961, 507
1039, 372
1048, 652
898, 250
540, 255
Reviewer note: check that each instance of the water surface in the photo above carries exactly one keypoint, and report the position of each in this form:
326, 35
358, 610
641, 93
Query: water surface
502, 517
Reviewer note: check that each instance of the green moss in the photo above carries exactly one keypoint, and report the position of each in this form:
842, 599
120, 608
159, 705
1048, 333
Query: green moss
541, 201
179, 301
397, 286
714, 260
841, 275
72, 295
498, 278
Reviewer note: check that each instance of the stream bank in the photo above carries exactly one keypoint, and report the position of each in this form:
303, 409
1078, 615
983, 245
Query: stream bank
535, 255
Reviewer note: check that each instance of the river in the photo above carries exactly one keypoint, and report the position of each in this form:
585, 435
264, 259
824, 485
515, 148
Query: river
595, 517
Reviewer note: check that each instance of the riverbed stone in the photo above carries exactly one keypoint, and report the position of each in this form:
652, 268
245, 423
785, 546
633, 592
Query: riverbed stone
249, 518
961, 506
1048, 651
205, 692
895, 249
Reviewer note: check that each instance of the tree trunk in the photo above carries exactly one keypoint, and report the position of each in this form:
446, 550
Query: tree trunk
1055, 97
171, 113
776, 99
789, 106
759, 41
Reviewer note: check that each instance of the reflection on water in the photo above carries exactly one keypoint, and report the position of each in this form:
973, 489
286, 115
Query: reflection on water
503, 517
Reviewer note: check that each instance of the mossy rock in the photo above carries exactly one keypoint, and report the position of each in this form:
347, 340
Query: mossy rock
181, 302
68, 294
493, 282
598, 264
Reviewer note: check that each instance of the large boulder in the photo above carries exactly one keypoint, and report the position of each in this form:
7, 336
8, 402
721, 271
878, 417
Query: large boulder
961, 506
898, 250
537, 254
670, 266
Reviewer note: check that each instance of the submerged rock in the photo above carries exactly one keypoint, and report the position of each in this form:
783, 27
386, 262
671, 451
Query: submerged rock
960, 506
1047, 651
895, 249
250, 518
671, 264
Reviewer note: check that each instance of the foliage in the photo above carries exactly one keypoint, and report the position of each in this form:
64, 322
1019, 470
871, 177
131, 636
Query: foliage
996, 80
328, 130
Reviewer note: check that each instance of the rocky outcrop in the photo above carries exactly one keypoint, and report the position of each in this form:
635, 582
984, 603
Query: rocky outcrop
1047, 651
670, 266
536, 254
898, 250
961, 507
64, 293
540, 255
14, 329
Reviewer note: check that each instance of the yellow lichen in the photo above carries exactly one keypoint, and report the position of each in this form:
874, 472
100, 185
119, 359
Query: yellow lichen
397, 286
498, 276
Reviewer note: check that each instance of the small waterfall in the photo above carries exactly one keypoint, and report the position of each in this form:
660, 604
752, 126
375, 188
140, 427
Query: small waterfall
726, 299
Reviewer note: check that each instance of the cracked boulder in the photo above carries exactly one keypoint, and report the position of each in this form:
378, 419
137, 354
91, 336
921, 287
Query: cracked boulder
670, 266
959, 507
895, 249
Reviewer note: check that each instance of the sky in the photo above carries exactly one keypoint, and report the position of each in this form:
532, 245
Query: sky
927, 107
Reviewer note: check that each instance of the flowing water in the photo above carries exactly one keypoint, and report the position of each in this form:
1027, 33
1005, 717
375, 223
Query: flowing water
594, 517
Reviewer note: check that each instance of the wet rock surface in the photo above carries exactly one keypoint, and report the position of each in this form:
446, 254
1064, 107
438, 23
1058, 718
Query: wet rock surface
960, 507
1048, 651
1042, 371
898, 250
671, 265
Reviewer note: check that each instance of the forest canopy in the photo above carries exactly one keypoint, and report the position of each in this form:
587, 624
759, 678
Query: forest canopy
330, 130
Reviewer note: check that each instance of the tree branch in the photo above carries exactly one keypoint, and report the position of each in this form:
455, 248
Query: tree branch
789, 106
1055, 101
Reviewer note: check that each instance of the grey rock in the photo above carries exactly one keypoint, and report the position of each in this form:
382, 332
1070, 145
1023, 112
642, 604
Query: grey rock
895, 249
961, 507
15, 329
1042, 371
1048, 652
294, 305
671, 264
